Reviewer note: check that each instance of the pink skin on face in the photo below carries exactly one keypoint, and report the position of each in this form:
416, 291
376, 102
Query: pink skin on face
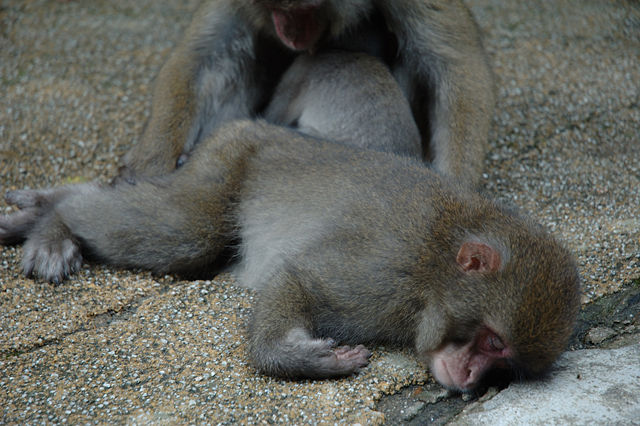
462, 367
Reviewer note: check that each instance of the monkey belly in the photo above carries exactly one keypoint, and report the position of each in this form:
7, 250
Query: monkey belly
271, 235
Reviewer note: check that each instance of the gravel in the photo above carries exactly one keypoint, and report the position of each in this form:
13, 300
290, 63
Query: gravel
124, 346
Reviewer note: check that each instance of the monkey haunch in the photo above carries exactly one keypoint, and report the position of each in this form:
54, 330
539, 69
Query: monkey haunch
345, 246
235, 52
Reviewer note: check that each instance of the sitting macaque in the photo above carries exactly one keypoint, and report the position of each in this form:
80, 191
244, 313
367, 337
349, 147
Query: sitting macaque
346, 247
235, 52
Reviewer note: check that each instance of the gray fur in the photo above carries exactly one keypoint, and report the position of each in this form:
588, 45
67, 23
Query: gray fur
382, 270
231, 59
349, 98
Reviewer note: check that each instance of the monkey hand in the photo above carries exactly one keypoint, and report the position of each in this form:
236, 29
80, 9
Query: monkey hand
301, 356
320, 359
350, 360
50, 250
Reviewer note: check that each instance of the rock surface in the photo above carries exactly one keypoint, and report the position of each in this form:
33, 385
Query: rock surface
124, 346
593, 386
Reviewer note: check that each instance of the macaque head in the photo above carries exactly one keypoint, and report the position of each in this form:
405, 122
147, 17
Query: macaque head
301, 24
512, 306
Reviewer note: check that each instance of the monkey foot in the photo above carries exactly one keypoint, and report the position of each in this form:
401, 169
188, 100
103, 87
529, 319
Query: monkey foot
52, 261
15, 227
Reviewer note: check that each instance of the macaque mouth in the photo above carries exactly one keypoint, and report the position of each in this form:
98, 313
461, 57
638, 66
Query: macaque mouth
298, 28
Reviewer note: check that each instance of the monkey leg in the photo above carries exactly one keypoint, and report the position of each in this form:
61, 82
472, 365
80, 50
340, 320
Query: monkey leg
139, 225
281, 342
196, 90
177, 223
50, 249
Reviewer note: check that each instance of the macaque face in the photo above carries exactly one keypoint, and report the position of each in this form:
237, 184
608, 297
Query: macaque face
462, 366
471, 348
502, 316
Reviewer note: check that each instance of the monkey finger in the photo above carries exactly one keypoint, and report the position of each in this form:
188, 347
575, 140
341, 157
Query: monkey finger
348, 351
342, 350
351, 360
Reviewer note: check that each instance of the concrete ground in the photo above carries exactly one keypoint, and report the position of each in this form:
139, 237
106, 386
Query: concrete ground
588, 387
122, 346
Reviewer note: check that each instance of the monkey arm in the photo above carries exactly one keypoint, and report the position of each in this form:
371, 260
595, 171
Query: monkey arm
280, 335
206, 81
445, 73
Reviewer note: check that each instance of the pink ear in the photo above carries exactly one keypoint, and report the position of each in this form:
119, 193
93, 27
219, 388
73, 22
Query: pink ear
478, 257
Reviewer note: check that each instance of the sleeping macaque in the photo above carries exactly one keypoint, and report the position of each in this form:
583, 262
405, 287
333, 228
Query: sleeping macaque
235, 52
346, 97
346, 246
